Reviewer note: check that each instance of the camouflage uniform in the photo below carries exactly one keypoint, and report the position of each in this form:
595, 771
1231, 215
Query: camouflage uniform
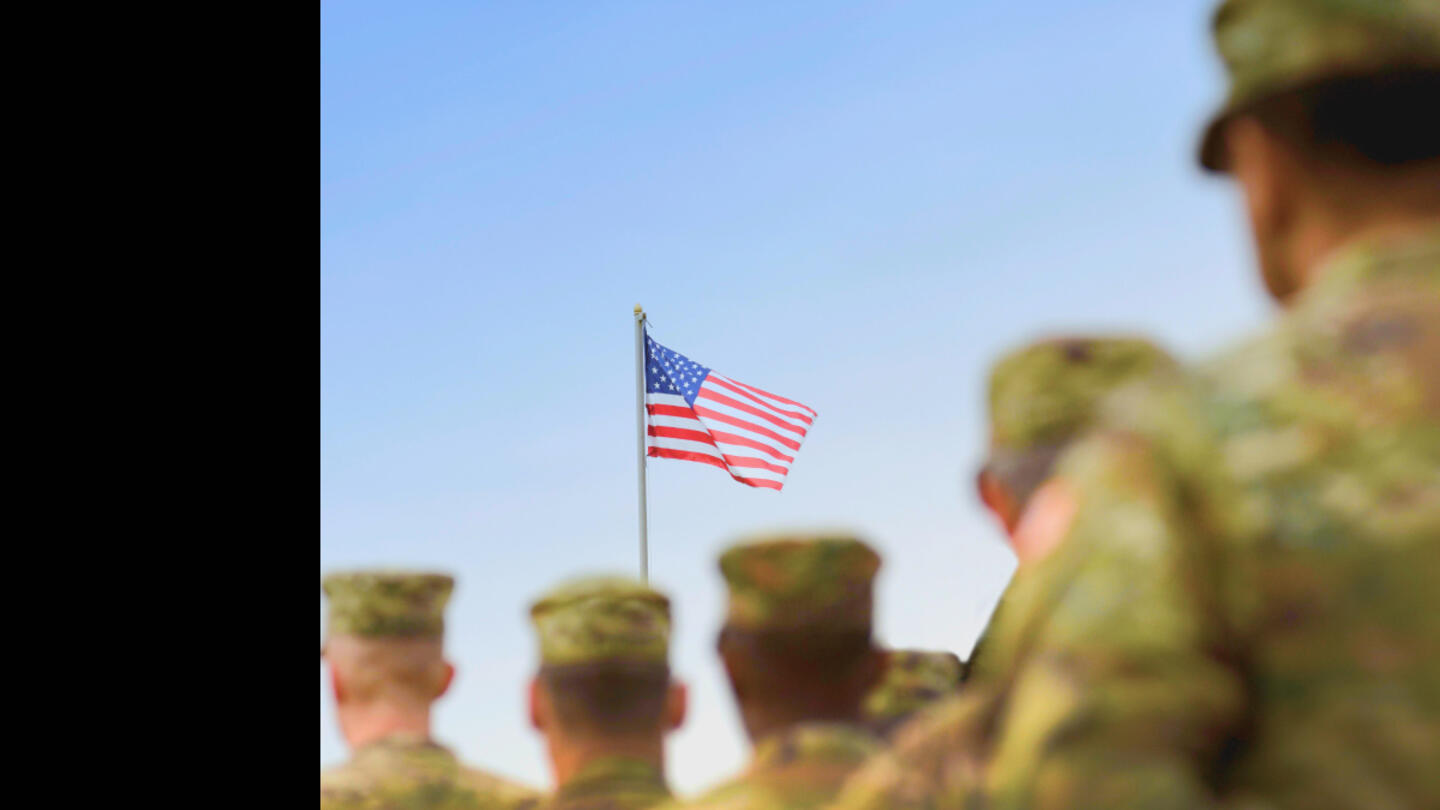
1239, 610
1041, 397
794, 583
913, 680
403, 771
600, 619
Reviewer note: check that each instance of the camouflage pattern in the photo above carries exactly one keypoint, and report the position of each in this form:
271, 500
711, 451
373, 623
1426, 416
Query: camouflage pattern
612, 783
1045, 392
1251, 559
913, 679
602, 618
799, 581
403, 772
1273, 46
801, 768
387, 603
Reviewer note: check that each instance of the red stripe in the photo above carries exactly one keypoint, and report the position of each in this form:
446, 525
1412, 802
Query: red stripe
738, 390
686, 455
754, 464
731, 438
727, 419
706, 393
681, 433
776, 397
671, 410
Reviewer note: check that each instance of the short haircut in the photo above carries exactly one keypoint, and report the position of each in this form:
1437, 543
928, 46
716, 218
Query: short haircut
798, 658
1386, 120
608, 697
389, 668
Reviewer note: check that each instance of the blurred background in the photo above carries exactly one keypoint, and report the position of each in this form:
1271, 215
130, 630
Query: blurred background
856, 205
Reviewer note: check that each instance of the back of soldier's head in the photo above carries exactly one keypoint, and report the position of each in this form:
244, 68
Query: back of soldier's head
1045, 394
604, 656
385, 635
799, 616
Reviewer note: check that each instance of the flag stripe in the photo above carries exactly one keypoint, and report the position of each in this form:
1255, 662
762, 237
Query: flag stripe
782, 400
740, 423
754, 467
750, 410
735, 389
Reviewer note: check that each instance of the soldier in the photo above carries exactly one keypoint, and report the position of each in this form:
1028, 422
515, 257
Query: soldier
1042, 397
387, 666
913, 680
797, 647
604, 698
1249, 616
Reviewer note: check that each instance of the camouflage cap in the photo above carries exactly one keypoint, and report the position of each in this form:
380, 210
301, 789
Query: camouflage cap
602, 618
912, 679
387, 603
1275, 46
1044, 392
800, 581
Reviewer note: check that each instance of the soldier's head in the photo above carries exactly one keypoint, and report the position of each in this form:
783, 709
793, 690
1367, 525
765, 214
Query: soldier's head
1042, 397
385, 647
1330, 126
604, 685
797, 640
913, 680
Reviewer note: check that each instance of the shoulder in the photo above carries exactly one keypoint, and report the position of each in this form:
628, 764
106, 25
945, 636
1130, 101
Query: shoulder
927, 760
497, 792
345, 787
737, 794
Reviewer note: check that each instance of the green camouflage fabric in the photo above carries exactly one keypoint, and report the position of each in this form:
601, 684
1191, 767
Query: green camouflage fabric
387, 603
1045, 392
612, 783
1274, 46
801, 768
799, 581
402, 772
602, 618
913, 679
1240, 613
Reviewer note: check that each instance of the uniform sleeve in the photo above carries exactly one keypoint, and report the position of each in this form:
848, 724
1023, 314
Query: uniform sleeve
1128, 696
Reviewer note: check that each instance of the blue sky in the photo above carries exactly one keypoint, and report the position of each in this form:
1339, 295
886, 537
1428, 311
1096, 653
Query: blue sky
856, 205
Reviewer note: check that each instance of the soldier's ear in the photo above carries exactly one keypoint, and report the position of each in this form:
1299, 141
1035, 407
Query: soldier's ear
534, 698
677, 701
336, 685
447, 679
997, 498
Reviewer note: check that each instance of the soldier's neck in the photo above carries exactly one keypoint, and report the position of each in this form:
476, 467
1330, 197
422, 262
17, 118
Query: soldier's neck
1312, 248
569, 756
363, 725
764, 721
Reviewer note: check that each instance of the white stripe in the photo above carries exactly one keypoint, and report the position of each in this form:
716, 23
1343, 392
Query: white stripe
750, 452
665, 399
749, 434
686, 422
794, 425
768, 398
792, 432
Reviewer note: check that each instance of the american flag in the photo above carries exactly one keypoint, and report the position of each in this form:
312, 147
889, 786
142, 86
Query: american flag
694, 414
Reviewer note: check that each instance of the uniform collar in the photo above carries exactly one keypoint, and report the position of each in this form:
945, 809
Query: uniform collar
841, 743
614, 773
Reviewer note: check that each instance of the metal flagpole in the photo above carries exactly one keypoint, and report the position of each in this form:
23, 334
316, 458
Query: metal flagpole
640, 436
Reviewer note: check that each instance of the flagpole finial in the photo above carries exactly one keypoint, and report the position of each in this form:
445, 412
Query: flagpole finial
638, 310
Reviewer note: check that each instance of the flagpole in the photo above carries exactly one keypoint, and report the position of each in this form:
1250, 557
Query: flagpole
640, 436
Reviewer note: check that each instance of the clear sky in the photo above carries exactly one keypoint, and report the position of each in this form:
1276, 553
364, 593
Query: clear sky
856, 205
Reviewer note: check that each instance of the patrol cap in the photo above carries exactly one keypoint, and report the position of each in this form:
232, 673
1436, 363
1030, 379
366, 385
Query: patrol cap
800, 581
1271, 47
1043, 393
913, 678
602, 618
387, 603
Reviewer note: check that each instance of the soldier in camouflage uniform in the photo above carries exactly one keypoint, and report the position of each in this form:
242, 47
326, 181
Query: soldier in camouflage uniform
913, 680
797, 647
603, 697
1238, 602
1042, 397
385, 649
